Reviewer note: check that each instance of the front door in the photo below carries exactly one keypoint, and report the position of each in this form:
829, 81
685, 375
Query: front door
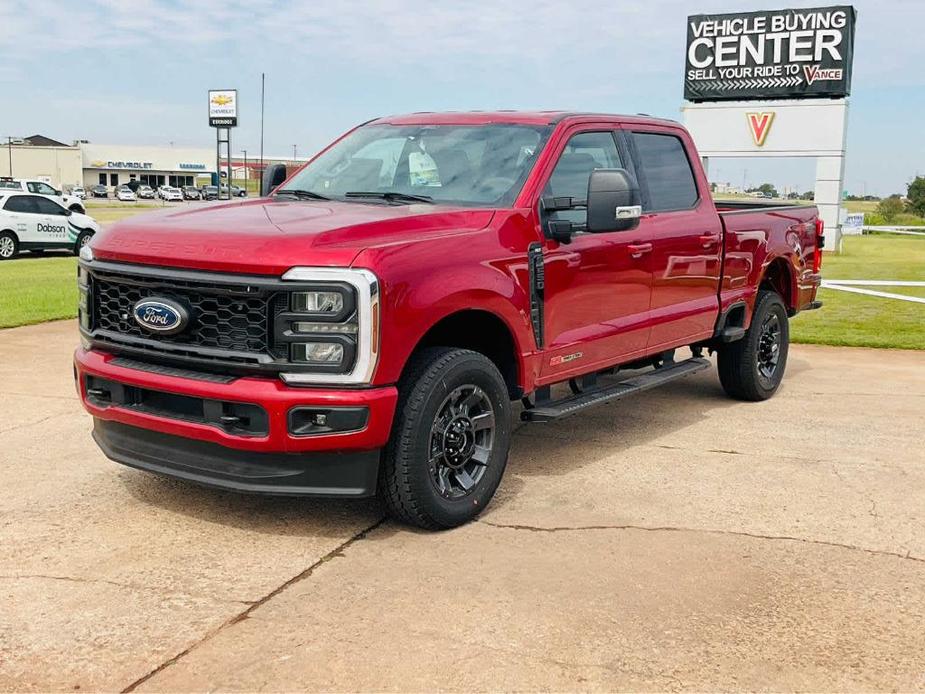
597, 287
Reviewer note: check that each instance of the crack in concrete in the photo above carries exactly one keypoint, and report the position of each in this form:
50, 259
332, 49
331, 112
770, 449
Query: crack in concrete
117, 584
675, 529
241, 616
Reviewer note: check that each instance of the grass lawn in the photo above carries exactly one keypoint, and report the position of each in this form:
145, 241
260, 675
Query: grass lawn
866, 321
34, 290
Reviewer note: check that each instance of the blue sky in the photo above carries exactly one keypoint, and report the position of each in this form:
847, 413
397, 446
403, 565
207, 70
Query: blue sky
137, 71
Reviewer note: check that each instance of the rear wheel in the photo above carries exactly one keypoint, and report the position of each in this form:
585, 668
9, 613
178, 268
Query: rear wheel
450, 440
9, 245
752, 368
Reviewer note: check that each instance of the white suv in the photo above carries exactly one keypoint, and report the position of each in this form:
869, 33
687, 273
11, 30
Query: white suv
70, 202
31, 222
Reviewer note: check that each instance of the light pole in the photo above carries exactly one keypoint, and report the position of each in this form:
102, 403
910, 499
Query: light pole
293, 154
9, 146
245, 169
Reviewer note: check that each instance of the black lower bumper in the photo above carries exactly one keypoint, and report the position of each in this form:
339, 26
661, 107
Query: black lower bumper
348, 474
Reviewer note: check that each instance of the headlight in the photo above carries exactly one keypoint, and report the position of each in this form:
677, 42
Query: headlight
330, 325
317, 302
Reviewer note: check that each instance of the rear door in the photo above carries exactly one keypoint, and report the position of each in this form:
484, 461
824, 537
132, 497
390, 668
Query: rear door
681, 222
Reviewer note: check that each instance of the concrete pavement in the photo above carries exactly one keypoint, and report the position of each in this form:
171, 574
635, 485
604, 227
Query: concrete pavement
677, 540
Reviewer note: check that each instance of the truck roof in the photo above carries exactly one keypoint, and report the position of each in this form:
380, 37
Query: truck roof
512, 117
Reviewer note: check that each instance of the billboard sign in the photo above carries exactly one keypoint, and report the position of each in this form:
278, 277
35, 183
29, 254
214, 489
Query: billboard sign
773, 54
223, 108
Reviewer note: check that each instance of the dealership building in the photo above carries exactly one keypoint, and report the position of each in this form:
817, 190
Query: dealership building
113, 165
89, 164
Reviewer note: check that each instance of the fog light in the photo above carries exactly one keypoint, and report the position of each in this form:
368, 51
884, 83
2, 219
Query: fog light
317, 302
318, 352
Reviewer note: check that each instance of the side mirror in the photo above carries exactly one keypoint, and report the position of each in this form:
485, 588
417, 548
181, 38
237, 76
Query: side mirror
273, 175
614, 203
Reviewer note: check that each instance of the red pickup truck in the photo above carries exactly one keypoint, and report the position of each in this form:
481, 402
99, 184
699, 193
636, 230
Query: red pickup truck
365, 326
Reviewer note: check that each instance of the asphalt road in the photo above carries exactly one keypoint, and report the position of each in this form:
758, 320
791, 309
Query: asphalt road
677, 540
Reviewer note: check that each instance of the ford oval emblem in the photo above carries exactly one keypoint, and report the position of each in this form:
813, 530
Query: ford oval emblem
160, 315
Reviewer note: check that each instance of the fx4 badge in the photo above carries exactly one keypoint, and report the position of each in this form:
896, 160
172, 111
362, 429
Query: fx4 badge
760, 124
565, 358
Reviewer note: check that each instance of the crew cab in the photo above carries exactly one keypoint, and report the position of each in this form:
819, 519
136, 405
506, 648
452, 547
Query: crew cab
38, 223
35, 187
369, 323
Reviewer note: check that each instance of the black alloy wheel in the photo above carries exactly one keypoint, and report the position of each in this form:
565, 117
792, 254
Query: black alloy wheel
461, 441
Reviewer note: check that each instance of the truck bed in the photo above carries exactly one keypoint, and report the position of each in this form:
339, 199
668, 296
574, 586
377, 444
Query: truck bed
756, 232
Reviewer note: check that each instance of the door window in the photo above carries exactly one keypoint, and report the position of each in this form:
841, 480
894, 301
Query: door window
46, 206
102, 179
114, 179
583, 153
40, 188
22, 203
667, 172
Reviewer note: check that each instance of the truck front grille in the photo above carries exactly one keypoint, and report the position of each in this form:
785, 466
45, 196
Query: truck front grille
218, 319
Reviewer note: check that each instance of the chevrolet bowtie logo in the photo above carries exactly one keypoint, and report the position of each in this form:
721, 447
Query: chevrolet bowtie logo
221, 100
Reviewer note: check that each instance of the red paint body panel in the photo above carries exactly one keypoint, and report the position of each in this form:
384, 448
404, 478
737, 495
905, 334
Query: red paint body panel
602, 302
273, 395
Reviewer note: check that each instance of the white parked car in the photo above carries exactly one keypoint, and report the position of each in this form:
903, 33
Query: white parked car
71, 202
146, 192
79, 192
170, 193
125, 194
30, 222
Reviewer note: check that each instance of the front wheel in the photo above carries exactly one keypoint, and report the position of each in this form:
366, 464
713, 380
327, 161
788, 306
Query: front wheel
450, 439
753, 367
82, 241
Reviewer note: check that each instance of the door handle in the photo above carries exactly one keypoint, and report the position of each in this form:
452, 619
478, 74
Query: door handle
638, 249
707, 240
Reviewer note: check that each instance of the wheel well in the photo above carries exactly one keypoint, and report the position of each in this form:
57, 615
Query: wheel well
11, 232
481, 332
76, 208
779, 279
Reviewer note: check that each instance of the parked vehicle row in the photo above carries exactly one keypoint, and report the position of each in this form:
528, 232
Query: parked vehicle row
141, 191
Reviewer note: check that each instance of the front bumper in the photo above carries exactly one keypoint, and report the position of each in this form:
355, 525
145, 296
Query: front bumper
169, 430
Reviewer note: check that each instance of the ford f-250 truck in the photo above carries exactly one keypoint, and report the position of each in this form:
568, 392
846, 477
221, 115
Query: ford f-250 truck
365, 326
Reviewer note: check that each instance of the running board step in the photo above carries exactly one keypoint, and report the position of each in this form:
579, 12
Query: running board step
557, 409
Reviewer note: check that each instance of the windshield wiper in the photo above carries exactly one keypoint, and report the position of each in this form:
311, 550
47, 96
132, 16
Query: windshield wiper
298, 193
390, 195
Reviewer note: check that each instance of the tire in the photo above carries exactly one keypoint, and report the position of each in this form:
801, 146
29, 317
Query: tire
443, 463
752, 368
82, 241
9, 245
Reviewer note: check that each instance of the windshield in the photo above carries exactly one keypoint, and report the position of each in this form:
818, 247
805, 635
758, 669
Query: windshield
483, 165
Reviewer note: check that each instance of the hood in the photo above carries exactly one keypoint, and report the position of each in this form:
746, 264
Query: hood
83, 221
269, 236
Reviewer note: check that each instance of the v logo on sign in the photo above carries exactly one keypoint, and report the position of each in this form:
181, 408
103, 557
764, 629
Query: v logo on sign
760, 124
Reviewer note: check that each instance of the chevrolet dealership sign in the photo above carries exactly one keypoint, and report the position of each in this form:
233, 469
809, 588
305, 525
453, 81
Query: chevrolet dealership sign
223, 108
775, 54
